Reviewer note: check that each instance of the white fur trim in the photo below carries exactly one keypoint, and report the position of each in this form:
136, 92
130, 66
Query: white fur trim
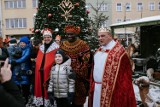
47, 32
52, 47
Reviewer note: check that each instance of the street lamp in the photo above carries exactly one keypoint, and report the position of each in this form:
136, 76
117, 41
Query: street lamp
126, 7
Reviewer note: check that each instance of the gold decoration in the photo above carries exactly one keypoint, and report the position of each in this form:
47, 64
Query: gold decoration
67, 7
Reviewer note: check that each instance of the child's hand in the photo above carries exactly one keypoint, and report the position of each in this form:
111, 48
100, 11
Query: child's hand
51, 97
70, 97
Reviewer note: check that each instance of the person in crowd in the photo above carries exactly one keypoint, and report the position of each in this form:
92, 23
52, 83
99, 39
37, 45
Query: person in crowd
10, 95
14, 50
130, 51
111, 79
6, 40
79, 52
3, 51
44, 62
58, 39
61, 84
34, 51
21, 67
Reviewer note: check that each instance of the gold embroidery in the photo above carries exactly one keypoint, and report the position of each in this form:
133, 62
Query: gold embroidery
110, 74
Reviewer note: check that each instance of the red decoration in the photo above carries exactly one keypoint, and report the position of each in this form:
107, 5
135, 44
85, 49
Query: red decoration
49, 15
87, 11
36, 30
77, 4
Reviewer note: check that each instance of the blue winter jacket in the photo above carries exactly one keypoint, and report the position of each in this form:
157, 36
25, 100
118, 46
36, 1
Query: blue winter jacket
20, 71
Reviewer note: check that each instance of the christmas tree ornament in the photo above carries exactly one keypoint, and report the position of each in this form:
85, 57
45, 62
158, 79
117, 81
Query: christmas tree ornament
49, 14
66, 7
56, 30
82, 19
76, 4
87, 11
37, 30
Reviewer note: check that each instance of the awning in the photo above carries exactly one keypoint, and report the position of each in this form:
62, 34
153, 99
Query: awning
140, 22
124, 31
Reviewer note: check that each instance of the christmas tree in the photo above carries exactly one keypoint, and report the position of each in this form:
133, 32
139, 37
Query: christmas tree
55, 14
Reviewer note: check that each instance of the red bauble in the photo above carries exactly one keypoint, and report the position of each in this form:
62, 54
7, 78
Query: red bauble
36, 30
77, 4
49, 15
87, 11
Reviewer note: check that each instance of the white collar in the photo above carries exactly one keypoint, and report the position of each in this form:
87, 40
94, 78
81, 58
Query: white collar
110, 45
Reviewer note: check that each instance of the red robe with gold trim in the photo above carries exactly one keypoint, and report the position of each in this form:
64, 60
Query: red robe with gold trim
49, 61
117, 89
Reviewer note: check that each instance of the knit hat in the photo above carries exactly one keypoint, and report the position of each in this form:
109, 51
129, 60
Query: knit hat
24, 39
64, 56
12, 41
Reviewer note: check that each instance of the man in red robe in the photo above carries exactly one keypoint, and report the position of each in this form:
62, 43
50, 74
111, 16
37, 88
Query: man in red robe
111, 79
44, 62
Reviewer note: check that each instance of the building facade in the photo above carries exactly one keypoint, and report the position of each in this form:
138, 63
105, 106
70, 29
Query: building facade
96, 7
125, 10
18, 17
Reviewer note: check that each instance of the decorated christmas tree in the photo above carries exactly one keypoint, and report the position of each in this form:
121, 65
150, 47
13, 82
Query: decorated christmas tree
55, 14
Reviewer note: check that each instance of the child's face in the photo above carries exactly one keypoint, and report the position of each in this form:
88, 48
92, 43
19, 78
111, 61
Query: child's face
58, 59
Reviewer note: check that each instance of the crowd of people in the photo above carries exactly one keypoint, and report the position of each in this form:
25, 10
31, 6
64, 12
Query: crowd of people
65, 72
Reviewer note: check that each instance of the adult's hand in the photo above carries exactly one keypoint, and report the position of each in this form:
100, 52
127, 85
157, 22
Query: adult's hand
5, 73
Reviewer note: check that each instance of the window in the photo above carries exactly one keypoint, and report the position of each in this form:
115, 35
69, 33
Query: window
102, 7
103, 24
151, 6
139, 7
118, 20
119, 7
34, 3
15, 4
16, 23
128, 20
128, 7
